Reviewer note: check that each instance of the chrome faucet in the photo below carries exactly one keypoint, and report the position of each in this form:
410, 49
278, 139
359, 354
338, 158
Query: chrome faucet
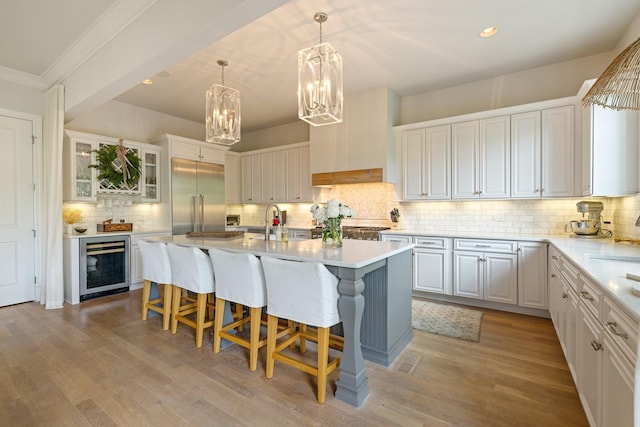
266, 219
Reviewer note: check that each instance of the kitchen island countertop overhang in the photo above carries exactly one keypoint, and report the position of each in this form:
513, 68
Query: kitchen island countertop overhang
375, 296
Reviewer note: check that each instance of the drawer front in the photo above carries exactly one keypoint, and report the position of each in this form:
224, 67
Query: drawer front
591, 296
502, 246
621, 328
395, 238
432, 242
570, 273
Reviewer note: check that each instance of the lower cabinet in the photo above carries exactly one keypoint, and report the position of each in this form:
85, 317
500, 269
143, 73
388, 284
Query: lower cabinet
532, 274
491, 276
432, 265
599, 342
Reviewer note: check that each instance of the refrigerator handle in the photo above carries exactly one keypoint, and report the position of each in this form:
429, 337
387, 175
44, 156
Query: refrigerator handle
194, 213
201, 212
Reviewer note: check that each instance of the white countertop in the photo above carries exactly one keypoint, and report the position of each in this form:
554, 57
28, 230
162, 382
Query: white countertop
94, 233
610, 274
353, 254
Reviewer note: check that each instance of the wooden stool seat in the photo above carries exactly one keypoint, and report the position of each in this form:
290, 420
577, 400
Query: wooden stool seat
192, 273
307, 294
156, 268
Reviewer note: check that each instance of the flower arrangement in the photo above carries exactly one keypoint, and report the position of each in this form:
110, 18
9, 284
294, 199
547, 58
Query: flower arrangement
331, 216
71, 215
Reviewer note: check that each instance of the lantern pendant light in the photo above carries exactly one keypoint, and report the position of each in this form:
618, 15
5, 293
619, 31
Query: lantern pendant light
223, 113
320, 95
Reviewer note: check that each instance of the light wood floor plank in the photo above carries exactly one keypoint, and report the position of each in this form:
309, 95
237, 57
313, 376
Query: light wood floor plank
97, 363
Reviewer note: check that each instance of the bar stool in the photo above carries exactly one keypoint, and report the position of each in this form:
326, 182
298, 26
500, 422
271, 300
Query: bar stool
156, 268
307, 293
191, 271
239, 279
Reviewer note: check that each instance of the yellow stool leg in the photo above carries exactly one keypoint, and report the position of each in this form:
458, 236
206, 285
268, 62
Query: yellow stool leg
175, 307
146, 291
166, 314
200, 315
217, 324
323, 361
272, 330
255, 313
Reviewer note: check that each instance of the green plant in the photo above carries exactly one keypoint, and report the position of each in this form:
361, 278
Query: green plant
111, 169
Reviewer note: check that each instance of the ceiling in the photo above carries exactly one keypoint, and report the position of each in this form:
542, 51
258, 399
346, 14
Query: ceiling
411, 46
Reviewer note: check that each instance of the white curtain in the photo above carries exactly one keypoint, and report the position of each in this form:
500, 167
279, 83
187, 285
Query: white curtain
52, 289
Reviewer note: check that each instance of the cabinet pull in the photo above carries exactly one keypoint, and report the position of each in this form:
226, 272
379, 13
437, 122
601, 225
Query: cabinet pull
483, 246
613, 328
585, 295
427, 243
564, 295
596, 345
554, 257
553, 275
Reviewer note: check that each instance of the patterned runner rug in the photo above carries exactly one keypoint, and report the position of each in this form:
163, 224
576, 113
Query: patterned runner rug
447, 320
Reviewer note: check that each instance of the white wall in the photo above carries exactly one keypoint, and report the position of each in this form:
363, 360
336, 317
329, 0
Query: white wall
21, 98
274, 136
119, 120
537, 84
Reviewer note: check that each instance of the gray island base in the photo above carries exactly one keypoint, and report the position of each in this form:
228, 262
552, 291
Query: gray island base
375, 297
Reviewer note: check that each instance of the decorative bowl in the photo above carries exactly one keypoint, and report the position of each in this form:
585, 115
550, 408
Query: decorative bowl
80, 230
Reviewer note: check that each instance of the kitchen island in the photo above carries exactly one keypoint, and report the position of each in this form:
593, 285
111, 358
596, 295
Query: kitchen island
375, 296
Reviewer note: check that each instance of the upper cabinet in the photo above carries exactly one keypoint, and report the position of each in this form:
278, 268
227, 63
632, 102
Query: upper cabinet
276, 175
525, 151
427, 160
365, 138
609, 151
232, 178
543, 153
82, 182
480, 158
191, 149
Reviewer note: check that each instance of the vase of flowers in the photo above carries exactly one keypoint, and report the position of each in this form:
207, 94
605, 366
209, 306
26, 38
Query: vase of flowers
331, 216
71, 216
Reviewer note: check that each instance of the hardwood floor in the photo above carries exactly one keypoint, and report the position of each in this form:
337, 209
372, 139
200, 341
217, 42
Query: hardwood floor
97, 363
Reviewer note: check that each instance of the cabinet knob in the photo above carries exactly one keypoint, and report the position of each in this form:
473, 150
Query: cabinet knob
537, 190
564, 295
553, 275
596, 345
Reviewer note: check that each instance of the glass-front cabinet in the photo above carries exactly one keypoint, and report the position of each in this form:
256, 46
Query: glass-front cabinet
151, 175
81, 183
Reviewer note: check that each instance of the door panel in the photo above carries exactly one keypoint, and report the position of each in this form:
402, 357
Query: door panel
17, 247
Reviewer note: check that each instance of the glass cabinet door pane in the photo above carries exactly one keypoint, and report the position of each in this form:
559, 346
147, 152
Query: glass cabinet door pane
83, 171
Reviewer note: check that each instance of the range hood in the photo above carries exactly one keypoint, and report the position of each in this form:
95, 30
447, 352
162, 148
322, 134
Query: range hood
360, 176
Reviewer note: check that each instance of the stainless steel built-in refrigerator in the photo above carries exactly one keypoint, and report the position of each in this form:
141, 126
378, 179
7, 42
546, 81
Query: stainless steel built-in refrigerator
197, 194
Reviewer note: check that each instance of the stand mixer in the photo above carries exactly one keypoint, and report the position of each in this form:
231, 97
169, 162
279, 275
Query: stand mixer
590, 227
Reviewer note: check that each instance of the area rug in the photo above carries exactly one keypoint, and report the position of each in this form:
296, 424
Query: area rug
447, 320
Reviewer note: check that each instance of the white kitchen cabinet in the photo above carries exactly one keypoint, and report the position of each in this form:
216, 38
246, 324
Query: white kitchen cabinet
232, 178
185, 148
609, 151
396, 238
251, 170
150, 176
526, 161
280, 175
297, 175
484, 269
267, 180
481, 158
617, 386
80, 182
427, 163
589, 368
432, 269
558, 152
532, 274
306, 190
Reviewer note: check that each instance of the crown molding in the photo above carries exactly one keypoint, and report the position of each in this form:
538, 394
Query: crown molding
21, 78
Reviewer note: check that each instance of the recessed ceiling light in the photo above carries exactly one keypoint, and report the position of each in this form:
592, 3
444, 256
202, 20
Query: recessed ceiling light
147, 82
488, 32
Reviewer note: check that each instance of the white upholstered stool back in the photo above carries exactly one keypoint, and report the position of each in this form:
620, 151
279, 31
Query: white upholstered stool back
239, 279
305, 292
191, 270
156, 267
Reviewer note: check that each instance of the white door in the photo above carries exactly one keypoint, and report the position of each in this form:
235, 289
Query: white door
17, 246
495, 158
464, 151
501, 278
467, 274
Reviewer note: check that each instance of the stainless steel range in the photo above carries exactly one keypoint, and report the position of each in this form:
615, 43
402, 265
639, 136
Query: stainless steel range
362, 233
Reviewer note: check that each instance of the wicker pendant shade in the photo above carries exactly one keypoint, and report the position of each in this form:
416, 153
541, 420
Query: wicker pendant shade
619, 86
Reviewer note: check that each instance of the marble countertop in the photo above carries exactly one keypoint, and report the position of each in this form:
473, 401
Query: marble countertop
592, 256
353, 254
94, 233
